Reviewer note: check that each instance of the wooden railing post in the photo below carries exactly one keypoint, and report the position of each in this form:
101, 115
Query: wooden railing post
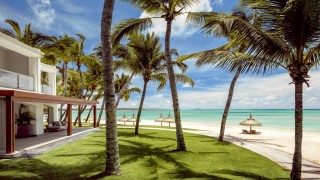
69, 114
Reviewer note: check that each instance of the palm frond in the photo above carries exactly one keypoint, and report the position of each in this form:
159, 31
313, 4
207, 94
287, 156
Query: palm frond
7, 32
181, 78
259, 42
15, 26
199, 18
135, 89
126, 27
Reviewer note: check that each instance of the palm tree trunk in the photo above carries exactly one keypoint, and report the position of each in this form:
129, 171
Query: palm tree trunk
65, 75
179, 133
82, 108
89, 114
136, 131
101, 111
82, 83
297, 156
123, 89
227, 107
112, 149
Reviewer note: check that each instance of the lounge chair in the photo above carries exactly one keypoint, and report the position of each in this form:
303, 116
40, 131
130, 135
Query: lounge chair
55, 126
253, 132
244, 131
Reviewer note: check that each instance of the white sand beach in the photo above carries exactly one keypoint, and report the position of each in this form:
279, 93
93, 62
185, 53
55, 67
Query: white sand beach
280, 139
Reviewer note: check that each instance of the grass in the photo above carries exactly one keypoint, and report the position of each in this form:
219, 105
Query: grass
151, 126
150, 155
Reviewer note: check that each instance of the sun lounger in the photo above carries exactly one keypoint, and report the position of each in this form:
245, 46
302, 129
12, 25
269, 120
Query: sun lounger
244, 131
55, 126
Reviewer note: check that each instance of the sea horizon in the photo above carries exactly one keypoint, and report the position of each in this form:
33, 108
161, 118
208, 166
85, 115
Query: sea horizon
273, 118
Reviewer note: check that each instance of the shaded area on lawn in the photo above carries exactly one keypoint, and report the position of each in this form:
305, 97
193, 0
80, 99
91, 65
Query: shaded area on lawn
150, 155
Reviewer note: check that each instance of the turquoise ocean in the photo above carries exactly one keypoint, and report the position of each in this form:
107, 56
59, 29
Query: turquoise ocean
275, 118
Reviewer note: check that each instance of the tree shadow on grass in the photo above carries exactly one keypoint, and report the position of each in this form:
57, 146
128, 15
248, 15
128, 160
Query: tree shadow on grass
187, 173
245, 174
152, 136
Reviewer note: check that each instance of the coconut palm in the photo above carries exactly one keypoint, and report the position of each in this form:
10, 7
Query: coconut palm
57, 53
27, 36
118, 52
112, 149
202, 57
167, 10
148, 62
119, 83
289, 37
76, 54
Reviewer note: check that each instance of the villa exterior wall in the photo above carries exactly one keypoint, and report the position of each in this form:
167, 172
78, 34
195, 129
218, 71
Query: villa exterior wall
3, 57
17, 63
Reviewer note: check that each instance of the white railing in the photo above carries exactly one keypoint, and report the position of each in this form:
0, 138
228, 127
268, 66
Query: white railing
14, 80
46, 89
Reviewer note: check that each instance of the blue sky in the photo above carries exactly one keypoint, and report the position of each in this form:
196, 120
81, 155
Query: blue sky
57, 17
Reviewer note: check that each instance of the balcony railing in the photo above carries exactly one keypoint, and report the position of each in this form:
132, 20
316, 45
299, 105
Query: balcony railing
46, 89
16, 81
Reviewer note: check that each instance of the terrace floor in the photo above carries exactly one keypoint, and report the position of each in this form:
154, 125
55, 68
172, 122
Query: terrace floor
29, 143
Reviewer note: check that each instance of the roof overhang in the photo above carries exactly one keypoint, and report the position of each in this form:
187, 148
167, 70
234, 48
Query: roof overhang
12, 44
21, 96
48, 68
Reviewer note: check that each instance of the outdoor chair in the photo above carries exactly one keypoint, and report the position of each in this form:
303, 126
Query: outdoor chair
244, 131
55, 126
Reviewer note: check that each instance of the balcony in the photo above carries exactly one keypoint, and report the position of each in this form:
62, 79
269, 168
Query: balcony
16, 81
46, 89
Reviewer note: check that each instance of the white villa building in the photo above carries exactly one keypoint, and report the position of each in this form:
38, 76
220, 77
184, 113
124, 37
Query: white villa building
20, 69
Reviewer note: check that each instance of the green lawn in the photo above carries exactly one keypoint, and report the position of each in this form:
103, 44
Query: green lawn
147, 156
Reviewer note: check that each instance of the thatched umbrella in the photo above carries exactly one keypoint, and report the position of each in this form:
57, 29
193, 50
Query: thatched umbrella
133, 118
160, 119
124, 119
250, 122
169, 119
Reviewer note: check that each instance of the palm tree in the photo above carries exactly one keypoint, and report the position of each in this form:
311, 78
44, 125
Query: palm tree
57, 53
112, 149
28, 36
167, 10
289, 38
148, 62
76, 54
212, 56
119, 83
118, 52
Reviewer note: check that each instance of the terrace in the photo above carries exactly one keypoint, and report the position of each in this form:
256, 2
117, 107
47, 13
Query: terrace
24, 145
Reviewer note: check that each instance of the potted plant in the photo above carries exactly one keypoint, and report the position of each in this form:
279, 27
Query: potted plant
23, 121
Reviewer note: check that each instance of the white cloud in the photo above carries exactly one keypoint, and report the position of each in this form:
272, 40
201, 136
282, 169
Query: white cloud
69, 7
179, 28
73, 24
218, 2
43, 12
250, 93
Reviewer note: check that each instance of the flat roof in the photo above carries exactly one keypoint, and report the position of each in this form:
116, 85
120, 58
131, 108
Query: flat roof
21, 96
15, 45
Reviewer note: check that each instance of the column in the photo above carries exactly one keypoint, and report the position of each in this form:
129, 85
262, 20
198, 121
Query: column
94, 116
10, 135
69, 114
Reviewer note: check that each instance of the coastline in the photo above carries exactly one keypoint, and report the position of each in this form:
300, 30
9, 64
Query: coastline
275, 138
